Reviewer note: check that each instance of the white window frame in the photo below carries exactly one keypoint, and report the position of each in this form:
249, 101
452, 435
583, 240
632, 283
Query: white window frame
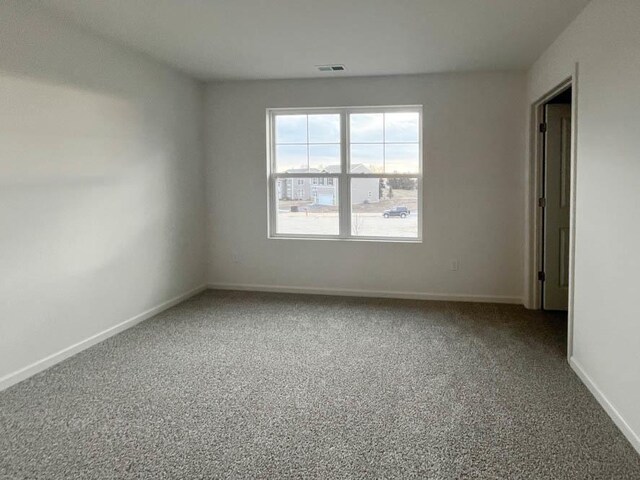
343, 178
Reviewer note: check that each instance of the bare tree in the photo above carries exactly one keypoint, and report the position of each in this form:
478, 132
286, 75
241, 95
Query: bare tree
356, 223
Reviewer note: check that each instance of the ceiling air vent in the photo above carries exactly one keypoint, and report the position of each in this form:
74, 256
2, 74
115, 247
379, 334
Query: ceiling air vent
330, 68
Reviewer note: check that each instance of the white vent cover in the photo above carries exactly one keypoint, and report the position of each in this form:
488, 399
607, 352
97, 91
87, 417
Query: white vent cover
330, 68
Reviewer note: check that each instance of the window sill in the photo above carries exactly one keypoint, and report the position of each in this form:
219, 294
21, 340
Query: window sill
349, 239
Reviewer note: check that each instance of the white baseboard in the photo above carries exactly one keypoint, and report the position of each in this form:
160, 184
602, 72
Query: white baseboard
36, 367
349, 292
620, 422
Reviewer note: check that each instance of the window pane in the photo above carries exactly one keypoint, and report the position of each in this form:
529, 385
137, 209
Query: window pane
307, 206
324, 128
384, 207
402, 158
401, 127
291, 129
367, 158
325, 158
366, 127
290, 158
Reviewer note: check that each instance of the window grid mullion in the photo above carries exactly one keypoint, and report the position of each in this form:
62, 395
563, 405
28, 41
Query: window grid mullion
343, 182
308, 156
271, 191
306, 175
384, 141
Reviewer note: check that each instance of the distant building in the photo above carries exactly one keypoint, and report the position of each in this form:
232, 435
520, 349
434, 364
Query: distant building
324, 191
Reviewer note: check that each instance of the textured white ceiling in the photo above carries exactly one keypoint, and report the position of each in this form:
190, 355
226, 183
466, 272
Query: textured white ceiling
247, 39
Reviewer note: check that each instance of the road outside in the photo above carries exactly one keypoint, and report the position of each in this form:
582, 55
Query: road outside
366, 220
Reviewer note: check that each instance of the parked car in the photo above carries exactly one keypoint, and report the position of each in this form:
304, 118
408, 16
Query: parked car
401, 212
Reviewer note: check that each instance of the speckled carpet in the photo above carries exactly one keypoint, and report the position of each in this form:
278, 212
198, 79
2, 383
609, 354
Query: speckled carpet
257, 385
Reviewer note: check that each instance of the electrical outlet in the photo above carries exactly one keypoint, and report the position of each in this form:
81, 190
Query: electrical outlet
235, 257
454, 265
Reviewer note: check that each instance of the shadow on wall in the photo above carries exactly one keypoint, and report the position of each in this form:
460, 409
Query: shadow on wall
99, 181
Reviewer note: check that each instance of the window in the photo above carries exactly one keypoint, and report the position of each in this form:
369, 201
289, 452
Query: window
358, 173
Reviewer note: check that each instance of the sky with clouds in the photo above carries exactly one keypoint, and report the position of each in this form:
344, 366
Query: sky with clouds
384, 142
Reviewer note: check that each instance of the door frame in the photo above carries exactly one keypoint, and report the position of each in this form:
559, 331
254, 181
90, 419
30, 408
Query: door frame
535, 224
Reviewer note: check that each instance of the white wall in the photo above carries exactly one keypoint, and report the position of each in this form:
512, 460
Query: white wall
473, 204
101, 186
605, 41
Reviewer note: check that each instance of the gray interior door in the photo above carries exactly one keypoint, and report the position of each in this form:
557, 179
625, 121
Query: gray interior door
557, 206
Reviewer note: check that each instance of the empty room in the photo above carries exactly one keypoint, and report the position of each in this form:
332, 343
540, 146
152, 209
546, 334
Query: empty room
319, 239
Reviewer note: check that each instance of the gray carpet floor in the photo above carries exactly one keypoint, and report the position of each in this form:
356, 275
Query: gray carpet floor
257, 385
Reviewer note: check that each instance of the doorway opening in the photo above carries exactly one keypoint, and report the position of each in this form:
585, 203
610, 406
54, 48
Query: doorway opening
555, 201
552, 202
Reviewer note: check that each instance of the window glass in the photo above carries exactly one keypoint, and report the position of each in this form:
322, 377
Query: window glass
324, 128
384, 207
366, 127
307, 143
369, 155
291, 157
401, 158
324, 157
307, 209
400, 127
384, 142
291, 129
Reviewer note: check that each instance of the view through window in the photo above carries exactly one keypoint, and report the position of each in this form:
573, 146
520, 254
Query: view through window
345, 173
